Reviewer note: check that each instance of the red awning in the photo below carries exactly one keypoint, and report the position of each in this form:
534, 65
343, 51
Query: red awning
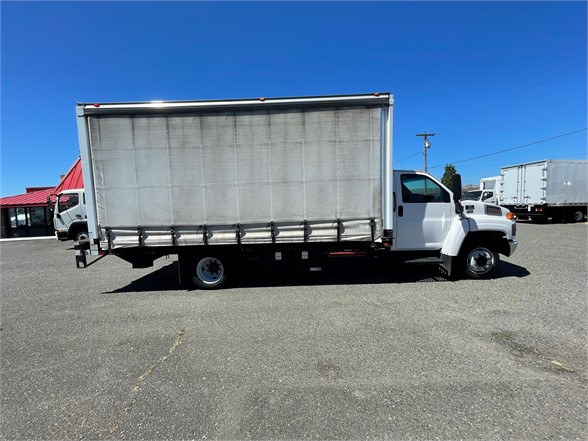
73, 179
33, 199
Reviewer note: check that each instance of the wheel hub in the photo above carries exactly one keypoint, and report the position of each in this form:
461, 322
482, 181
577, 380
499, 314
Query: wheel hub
210, 270
480, 260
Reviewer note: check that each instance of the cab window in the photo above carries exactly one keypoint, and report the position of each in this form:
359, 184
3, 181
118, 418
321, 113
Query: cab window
418, 189
67, 201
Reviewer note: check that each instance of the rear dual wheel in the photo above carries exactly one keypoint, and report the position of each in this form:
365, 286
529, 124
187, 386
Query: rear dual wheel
576, 215
579, 216
210, 272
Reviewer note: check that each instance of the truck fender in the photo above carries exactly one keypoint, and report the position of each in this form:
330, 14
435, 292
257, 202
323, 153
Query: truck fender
468, 227
460, 232
455, 237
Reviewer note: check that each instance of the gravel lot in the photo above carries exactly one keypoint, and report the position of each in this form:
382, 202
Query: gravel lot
115, 353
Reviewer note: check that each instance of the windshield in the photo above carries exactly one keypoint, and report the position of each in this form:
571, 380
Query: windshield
67, 201
473, 195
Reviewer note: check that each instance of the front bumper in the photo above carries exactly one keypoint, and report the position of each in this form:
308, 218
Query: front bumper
62, 235
512, 246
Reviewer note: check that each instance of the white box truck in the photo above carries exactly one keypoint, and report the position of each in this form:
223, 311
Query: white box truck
491, 183
69, 215
289, 183
488, 192
556, 189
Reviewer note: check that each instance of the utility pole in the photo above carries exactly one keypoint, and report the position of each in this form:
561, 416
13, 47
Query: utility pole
427, 145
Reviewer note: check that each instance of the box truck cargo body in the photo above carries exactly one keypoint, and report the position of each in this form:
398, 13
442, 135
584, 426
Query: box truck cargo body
556, 189
491, 183
288, 182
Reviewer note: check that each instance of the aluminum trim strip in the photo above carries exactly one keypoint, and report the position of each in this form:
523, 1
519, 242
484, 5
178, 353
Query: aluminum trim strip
379, 99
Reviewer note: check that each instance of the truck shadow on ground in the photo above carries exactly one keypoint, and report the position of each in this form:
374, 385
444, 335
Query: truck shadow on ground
166, 278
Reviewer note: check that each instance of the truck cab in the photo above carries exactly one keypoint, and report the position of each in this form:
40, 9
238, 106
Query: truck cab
69, 215
487, 196
467, 235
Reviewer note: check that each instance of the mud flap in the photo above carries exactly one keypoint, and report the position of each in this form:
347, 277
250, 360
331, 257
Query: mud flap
447, 263
82, 249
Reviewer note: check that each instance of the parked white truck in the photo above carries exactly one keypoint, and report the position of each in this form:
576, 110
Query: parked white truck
289, 183
556, 189
488, 192
69, 215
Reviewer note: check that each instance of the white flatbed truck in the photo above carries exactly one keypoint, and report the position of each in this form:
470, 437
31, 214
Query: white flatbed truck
287, 182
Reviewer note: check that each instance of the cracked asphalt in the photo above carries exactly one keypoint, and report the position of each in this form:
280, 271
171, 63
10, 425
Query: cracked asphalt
110, 352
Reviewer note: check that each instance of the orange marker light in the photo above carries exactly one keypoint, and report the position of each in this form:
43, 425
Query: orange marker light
262, 99
510, 216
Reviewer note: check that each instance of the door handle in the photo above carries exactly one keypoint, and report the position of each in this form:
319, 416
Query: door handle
400, 210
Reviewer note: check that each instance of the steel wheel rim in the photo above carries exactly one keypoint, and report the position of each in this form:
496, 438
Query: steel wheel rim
480, 260
210, 270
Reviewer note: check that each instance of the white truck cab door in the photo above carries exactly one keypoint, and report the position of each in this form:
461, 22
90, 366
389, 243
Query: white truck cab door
488, 197
423, 212
70, 208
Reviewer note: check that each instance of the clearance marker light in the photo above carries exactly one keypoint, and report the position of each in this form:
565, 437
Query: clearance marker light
510, 216
96, 104
262, 99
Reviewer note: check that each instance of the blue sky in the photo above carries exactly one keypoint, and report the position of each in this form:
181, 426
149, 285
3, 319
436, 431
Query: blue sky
484, 76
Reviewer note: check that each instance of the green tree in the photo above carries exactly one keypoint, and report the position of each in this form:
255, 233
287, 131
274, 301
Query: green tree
448, 174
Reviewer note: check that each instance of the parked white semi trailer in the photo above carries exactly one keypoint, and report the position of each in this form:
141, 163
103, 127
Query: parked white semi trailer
287, 182
556, 189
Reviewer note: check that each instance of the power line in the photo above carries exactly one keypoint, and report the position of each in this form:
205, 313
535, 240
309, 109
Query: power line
533, 90
535, 87
515, 148
408, 157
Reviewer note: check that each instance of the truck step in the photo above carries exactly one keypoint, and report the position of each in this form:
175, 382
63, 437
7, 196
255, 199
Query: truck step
424, 261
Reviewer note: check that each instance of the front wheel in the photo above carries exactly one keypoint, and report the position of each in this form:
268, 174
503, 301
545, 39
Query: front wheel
479, 261
81, 236
210, 273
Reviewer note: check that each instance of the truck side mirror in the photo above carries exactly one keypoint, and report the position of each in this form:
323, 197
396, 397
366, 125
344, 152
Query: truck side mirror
457, 195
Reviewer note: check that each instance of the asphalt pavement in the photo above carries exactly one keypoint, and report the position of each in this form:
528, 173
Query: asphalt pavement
111, 352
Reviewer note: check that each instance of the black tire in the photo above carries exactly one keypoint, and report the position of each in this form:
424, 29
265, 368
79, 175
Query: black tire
81, 235
210, 272
479, 261
578, 215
